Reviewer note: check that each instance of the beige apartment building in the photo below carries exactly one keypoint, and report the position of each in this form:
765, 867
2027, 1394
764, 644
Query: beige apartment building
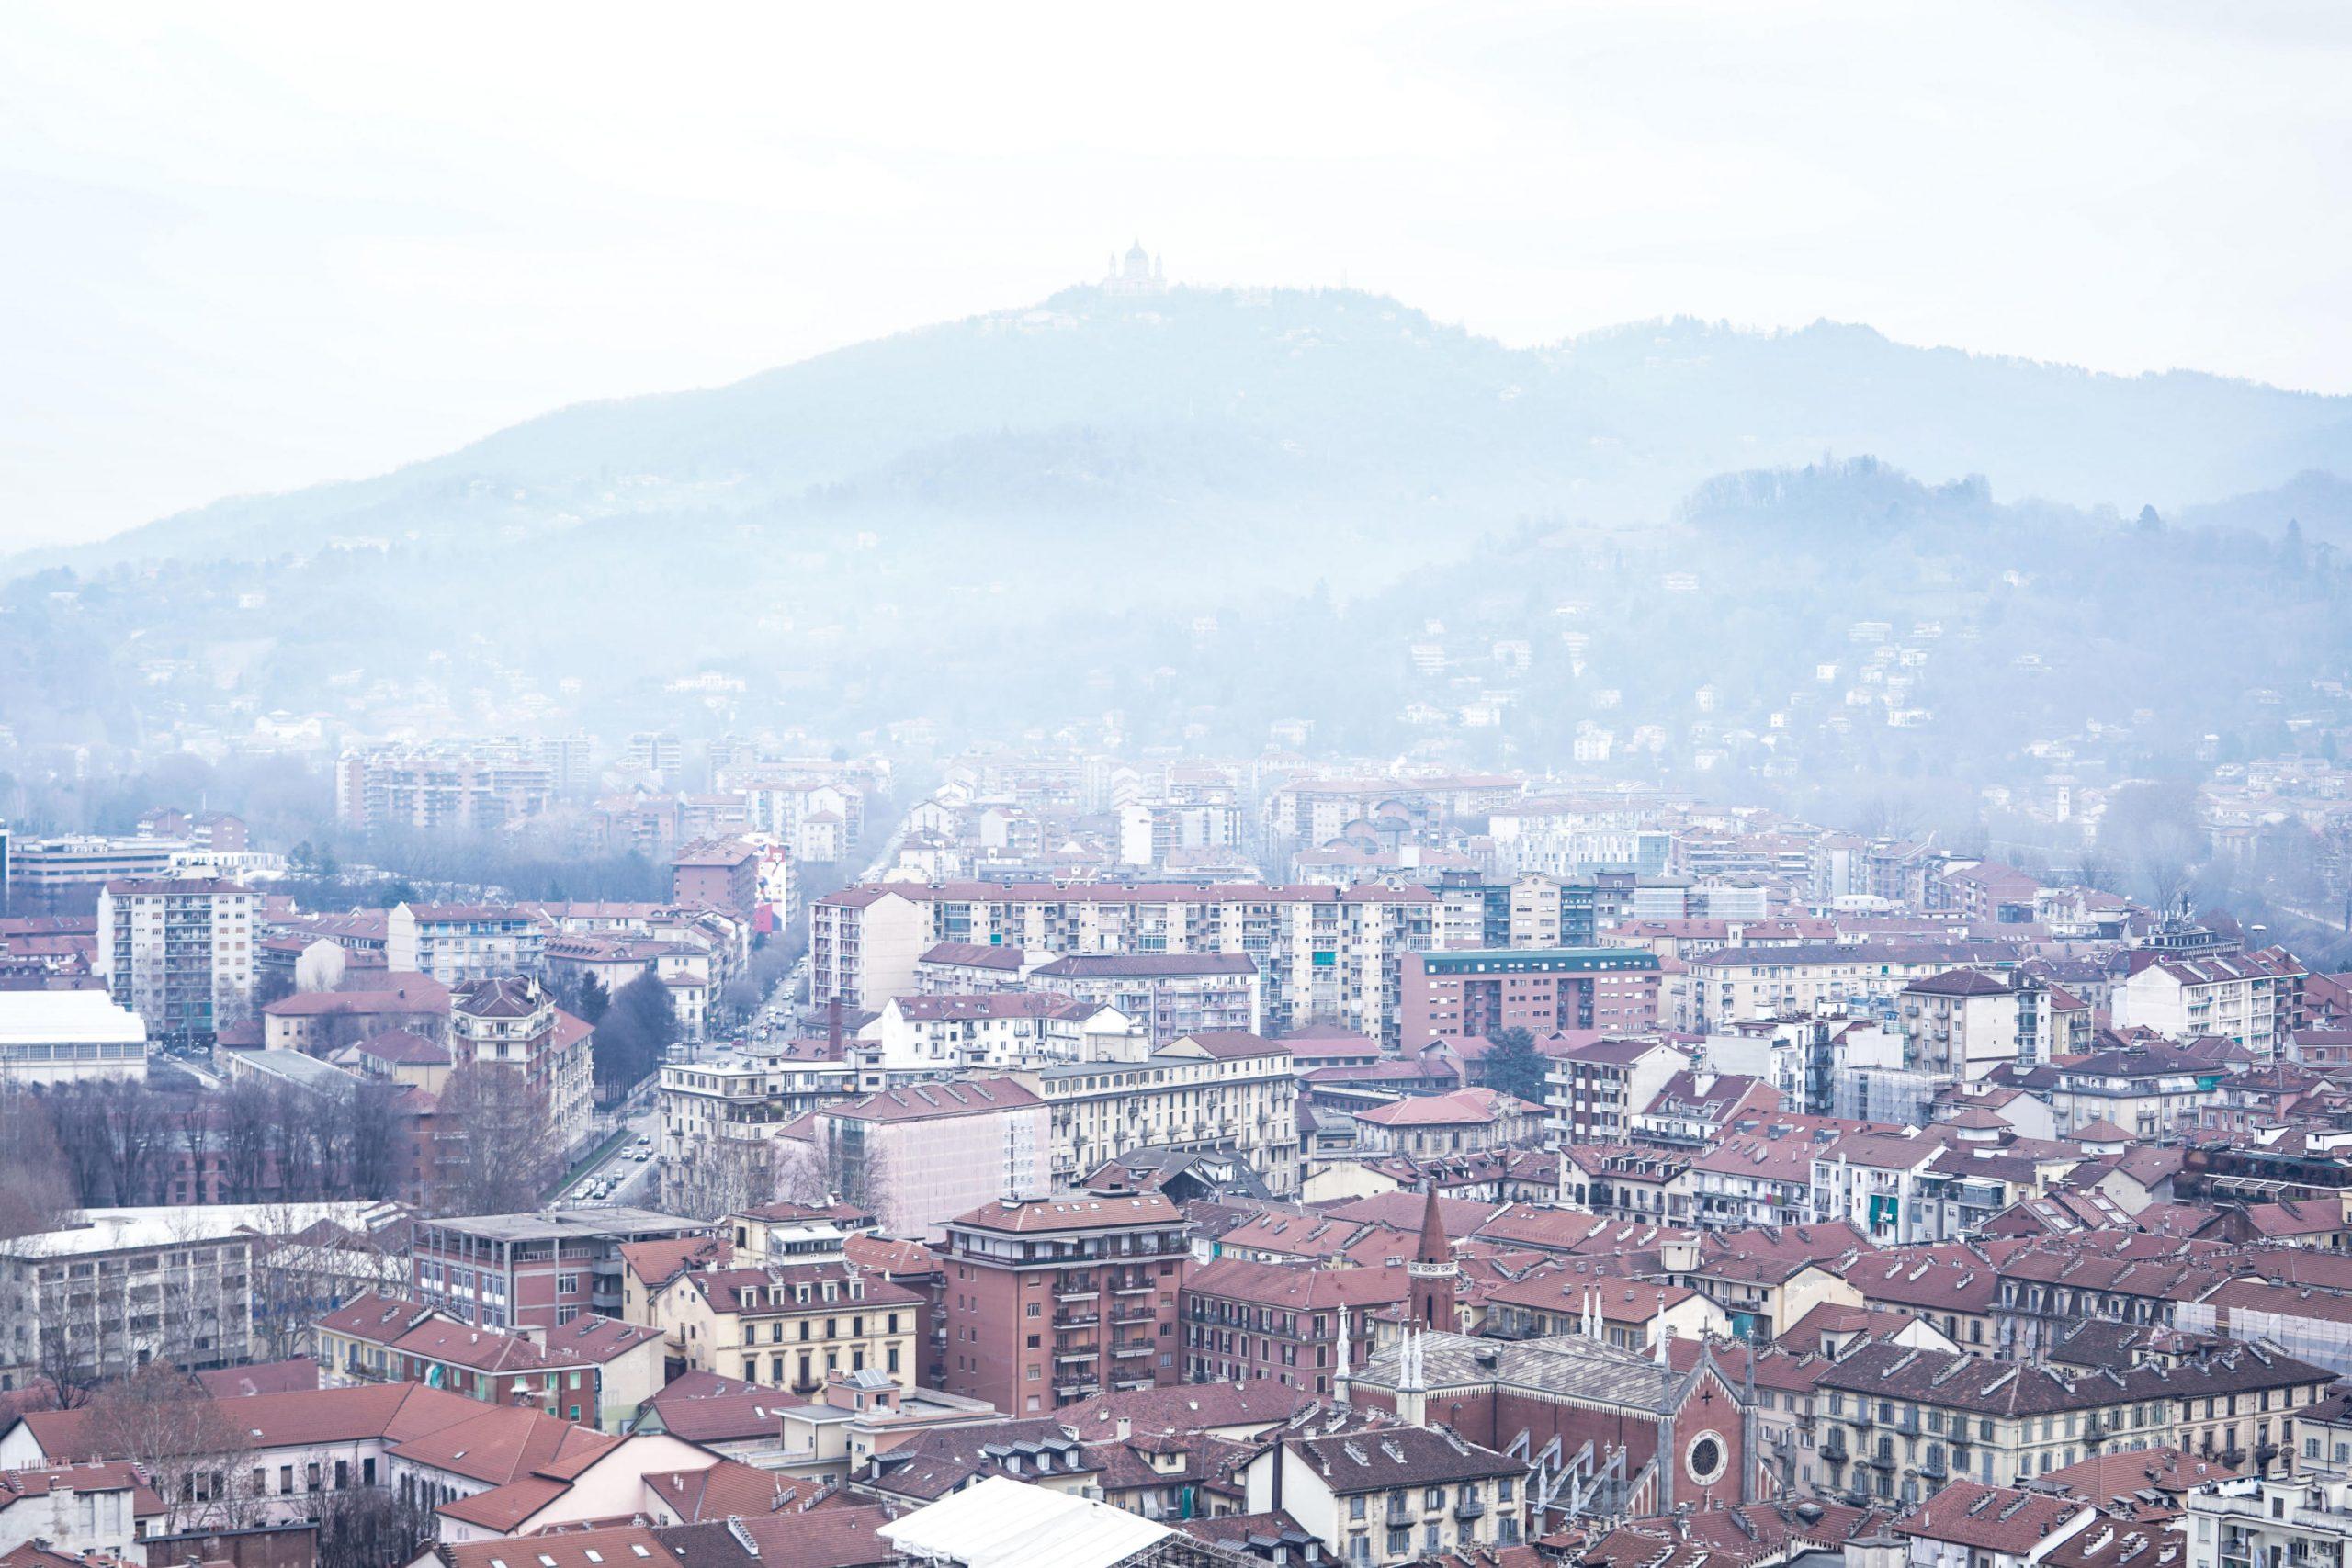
1899, 1422
1719, 989
1232, 1093
791, 1324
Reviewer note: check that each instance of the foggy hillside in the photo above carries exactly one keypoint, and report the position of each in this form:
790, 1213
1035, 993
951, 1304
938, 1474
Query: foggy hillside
1211, 417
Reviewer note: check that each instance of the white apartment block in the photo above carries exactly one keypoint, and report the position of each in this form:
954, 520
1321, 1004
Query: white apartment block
2247, 997
459, 943
179, 952
1323, 954
942, 1034
1169, 995
122, 1287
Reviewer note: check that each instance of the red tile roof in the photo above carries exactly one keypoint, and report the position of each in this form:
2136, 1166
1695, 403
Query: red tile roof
1992, 1519
1077, 1212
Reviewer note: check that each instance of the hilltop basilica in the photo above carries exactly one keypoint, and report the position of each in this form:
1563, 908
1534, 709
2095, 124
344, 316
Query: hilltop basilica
1137, 273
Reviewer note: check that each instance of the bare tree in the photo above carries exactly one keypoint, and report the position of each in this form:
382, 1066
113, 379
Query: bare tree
195, 1304
195, 1131
733, 1175
830, 1172
245, 1113
502, 1149
302, 1271
1886, 816
2096, 866
137, 1136
296, 1145
193, 1451
372, 1528
80, 1123
370, 1141
2166, 876
65, 1347
35, 1194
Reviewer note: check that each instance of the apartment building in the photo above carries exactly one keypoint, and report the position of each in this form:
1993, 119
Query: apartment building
514, 1024
1231, 1093
1564, 838
1958, 1025
717, 873
2147, 1091
1474, 995
593, 1371
1523, 912
1052, 1301
2248, 1522
713, 1113
915, 1155
126, 1286
793, 1325
995, 1030
1171, 994
615, 960
1595, 1089
1243, 1318
67, 1515
57, 870
539, 1270
179, 952
458, 943
1899, 1422
1396, 1495
319, 1021
1438, 1126
2250, 998
967, 968
1722, 988
1323, 954
443, 787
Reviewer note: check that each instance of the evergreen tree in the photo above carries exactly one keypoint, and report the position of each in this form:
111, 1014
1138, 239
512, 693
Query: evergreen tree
1514, 1065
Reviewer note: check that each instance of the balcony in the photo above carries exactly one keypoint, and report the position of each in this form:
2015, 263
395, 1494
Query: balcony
1469, 1509
1075, 1290
1832, 1448
1127, 1317
1133, 1347
1063, 1321
1077, 1353
1132, 1288
1399, 1516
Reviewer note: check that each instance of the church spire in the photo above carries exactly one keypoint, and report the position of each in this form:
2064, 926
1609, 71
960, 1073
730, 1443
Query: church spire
1434, 1247
1432, 1270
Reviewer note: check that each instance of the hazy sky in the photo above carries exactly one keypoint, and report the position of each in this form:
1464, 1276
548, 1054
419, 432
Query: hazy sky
251, 247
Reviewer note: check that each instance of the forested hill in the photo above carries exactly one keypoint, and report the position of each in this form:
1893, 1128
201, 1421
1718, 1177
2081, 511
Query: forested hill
1227, 414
